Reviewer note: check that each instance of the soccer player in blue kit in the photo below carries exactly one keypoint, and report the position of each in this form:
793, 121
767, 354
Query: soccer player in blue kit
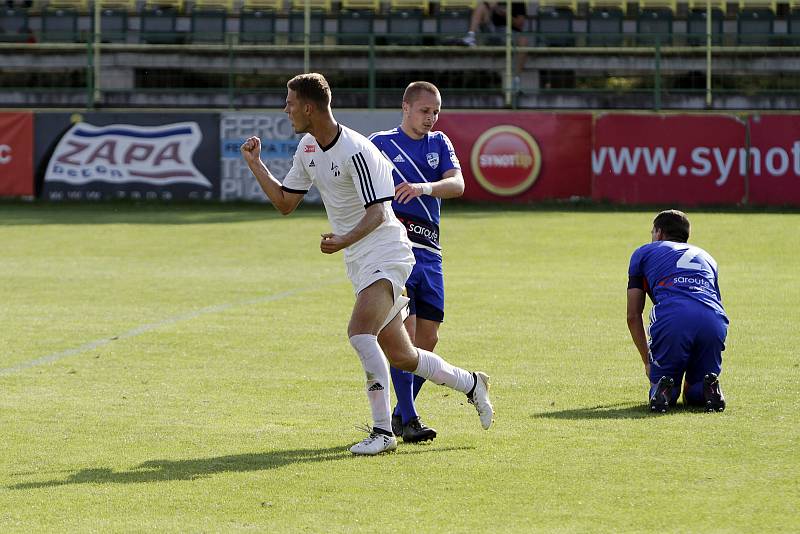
425, 170
688, 325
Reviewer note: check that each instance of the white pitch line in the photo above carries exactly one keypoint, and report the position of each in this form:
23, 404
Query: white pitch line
86, 347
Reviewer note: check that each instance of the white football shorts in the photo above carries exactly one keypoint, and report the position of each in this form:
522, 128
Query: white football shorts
363, 275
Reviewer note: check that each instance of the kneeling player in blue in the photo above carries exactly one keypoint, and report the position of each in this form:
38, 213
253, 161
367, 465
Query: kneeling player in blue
425, 170
688, 325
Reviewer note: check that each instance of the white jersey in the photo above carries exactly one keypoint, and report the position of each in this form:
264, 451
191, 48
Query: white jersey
351, 175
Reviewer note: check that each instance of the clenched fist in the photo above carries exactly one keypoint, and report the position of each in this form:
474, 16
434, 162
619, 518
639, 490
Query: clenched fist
251, 150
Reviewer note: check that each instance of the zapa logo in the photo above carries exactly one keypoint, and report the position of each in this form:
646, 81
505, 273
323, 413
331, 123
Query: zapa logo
506, 160
124, 153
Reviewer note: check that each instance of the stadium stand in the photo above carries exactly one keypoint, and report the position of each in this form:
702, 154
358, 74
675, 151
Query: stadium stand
355, 26
755, 26
209, 20
257, 21
654, 22
404, 22
400, 5
452, 20
604, 24
554, 22
793, 23
114, 20
14, 24
158, 22
319, 10
60, 21
697, 21
366, 5
78, 5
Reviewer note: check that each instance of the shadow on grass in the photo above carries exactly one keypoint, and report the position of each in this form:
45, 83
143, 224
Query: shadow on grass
34, 213
170, 470
622, 410
43, 213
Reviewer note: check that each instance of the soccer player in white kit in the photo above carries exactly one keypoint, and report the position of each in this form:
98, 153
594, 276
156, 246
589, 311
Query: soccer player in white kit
356, 186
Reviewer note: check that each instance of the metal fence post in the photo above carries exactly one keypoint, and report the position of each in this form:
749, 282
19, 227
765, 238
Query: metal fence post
709, 27
371, 76
657, 84
231, 92
90, 74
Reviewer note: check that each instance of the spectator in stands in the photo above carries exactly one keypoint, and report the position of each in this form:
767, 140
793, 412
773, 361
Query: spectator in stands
490, 17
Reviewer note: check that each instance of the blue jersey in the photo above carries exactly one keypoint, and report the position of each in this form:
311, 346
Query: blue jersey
668, 271
418, 161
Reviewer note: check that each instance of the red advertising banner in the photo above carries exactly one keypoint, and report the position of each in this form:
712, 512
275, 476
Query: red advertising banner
16, 154
774, 175
521, 156
687, 160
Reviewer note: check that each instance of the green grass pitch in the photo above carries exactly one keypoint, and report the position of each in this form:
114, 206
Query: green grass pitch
186, 369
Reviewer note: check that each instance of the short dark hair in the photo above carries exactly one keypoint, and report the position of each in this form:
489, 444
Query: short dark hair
312, 87
415, 88
673, 224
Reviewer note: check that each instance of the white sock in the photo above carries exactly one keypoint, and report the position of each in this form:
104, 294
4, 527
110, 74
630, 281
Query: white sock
377, 370
432, 367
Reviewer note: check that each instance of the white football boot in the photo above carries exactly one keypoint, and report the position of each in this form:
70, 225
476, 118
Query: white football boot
480, 399
374, 444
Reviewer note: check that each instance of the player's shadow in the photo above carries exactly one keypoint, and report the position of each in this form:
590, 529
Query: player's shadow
621, 410
192, 469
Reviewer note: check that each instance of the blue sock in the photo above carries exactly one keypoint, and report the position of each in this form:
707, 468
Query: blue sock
418, 382
403, 382
693, 395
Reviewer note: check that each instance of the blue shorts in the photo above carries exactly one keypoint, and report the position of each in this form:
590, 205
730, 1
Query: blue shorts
425, 286
686, 337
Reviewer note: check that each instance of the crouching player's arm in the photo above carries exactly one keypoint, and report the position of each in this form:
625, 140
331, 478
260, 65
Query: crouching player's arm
636, 325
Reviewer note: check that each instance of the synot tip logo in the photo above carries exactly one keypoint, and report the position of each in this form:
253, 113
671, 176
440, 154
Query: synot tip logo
506, 160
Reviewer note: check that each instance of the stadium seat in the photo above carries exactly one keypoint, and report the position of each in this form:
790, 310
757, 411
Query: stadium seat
355, 26
14, 25
159, 21
654, 25
257, 21
114, 20
755, 26
81, 6
315, 5
605, 26
452, 24
361, 5
793, 28
404, 27
772, 5
696, 26
209, 18
60, 25
458, 5
409, 5
554, 27
297, 26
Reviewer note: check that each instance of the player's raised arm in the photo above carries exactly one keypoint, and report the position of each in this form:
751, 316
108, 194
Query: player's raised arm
284, 201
